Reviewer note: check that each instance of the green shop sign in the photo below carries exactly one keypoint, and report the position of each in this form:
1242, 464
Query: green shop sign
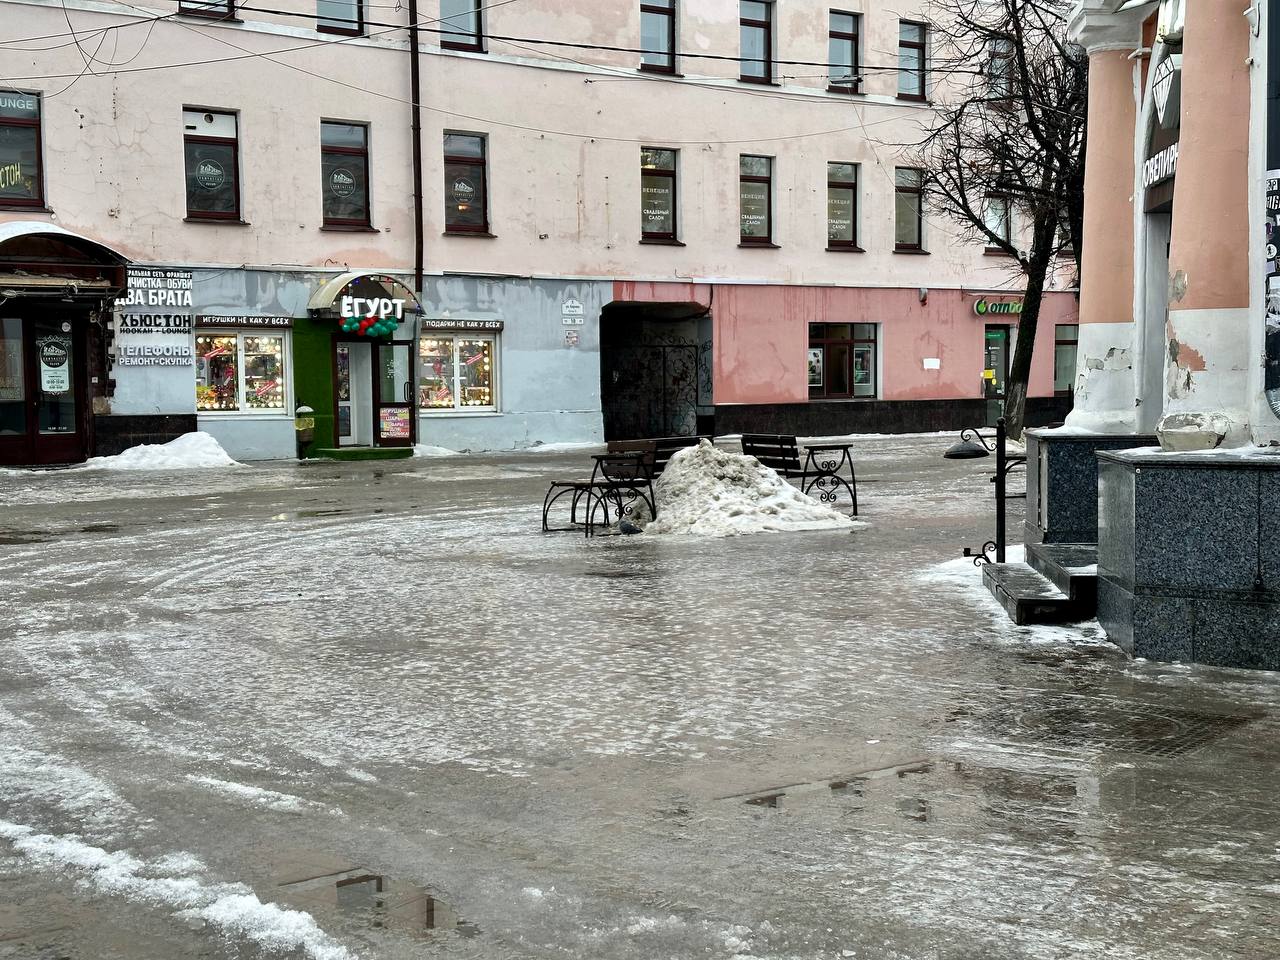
984, 308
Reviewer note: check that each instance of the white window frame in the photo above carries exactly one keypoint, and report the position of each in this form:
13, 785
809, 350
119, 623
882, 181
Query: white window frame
1006, 224
492, 336
286, 362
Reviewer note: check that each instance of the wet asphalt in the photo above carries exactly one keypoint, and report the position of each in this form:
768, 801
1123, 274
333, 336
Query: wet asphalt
378, 694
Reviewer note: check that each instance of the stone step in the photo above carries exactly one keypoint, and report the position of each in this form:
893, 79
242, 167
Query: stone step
1030, 597
1071, 567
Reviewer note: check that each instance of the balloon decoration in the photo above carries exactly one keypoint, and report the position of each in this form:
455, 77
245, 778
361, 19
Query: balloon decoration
369, 326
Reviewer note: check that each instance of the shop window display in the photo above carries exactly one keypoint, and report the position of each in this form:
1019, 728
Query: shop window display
842, 361
240, 373
457, 373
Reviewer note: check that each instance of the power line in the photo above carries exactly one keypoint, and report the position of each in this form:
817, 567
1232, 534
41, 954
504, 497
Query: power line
617, 72
530, 129
424, 26
604, 48
112, 26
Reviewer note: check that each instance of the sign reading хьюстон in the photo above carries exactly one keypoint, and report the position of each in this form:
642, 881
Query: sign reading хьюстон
151, 339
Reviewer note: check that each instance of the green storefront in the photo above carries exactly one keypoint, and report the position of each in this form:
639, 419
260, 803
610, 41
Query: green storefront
354, 360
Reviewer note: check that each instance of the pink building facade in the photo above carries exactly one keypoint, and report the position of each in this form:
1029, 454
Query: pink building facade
1177, 409
631, 221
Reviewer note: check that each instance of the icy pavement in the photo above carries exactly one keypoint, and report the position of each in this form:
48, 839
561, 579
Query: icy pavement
340, 711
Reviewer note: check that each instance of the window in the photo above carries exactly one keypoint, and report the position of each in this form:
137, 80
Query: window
842, 360
997, 214
842, 53
908, 208
465, 184
240, 373
344, 173
755, 18
911, 60
657, 194
340, 16
1065, 342
216, 9
1000, 69
755, 199
460, 25
658, 35
213, 165
842, 205
457, 372
21, 177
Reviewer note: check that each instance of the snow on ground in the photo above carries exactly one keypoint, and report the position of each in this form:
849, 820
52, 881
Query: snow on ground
706, 492
962, 576
855, 437
571, 447
258, 796
190, 451
427, 450
170, 880
1247, 452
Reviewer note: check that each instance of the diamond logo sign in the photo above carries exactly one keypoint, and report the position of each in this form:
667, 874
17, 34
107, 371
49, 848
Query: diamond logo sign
1162, 83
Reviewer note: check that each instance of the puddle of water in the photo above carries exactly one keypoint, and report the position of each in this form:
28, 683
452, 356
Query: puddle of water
100, 528
380, 902
20, 537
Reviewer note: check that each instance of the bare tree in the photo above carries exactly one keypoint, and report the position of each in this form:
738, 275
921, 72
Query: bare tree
1008, 136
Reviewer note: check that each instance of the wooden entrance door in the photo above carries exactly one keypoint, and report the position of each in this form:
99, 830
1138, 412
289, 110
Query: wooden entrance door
42, 390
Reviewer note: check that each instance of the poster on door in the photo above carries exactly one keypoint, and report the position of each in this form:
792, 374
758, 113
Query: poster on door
395, 423
55, 364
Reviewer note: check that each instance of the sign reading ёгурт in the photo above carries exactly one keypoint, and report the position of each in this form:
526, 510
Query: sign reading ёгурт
154, 327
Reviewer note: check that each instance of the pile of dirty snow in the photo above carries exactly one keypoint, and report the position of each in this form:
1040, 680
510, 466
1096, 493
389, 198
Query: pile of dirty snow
427, 450
191, 451
706, 492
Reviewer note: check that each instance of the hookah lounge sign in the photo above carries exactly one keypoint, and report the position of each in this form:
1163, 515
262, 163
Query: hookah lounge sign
155, 321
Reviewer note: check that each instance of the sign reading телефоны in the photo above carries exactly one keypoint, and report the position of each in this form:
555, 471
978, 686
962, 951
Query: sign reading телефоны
154, 339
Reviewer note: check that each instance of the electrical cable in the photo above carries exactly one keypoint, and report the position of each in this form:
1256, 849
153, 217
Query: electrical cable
424, 27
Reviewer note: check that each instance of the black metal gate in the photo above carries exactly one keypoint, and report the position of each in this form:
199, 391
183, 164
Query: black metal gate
650, 390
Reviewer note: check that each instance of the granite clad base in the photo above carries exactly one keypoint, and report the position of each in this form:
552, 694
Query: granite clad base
115, 434
1068, 465
1188, 562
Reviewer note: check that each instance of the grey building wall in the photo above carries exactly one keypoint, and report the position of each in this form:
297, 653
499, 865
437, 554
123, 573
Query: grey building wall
548, 386
548, 372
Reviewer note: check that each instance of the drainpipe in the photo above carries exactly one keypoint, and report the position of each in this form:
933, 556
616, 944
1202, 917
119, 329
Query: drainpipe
415, 95
1271, 375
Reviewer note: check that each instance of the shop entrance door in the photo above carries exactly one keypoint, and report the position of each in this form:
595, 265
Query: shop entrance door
353, 375
41, 385
393, 387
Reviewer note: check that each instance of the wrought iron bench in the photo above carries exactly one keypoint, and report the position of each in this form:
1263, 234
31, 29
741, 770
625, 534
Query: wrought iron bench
662, 448
619, 482
822, 467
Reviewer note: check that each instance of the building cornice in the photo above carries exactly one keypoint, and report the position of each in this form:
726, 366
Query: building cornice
1106, 25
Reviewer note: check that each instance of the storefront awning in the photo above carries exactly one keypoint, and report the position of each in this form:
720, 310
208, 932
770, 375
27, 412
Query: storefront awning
18, 234
365, 286
38, 254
